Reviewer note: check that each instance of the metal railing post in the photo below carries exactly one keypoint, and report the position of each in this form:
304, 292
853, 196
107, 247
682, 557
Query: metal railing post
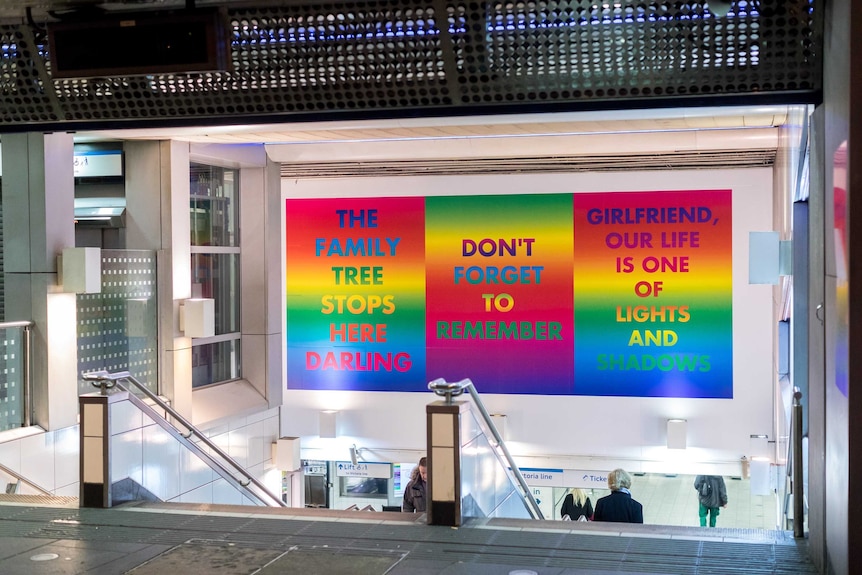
449, 390
516, 471
27, 370
105, 379
798, 502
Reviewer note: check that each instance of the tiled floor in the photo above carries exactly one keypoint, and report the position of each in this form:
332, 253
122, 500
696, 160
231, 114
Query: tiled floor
672, 500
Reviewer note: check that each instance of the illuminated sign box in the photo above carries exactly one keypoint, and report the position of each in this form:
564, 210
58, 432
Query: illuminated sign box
376, 470
543, 477
98, 163
94, 163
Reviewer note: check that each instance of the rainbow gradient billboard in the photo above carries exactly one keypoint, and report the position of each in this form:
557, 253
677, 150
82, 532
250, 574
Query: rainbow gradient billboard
653, 294
356, 294
622, 293
499, 292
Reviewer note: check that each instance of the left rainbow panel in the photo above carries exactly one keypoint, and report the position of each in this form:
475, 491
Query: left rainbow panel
355, 289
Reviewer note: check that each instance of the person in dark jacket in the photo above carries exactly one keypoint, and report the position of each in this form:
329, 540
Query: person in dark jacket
414, 494
576, 504
619, 506
711, 494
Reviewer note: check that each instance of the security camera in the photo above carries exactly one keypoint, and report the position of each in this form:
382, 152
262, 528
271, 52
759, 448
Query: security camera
354, 455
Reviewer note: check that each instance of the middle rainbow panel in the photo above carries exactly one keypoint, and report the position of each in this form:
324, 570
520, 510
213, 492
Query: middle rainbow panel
499, 295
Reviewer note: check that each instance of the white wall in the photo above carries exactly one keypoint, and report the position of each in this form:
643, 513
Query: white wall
575, 432
47, 458
146, 453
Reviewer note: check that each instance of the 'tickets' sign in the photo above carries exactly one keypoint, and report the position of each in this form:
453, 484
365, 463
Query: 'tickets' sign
623, 293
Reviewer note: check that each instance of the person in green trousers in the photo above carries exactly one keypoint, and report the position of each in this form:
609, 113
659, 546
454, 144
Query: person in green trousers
711, 494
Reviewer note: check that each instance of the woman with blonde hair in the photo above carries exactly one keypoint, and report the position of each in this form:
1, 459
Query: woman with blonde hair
619, 506
576, 505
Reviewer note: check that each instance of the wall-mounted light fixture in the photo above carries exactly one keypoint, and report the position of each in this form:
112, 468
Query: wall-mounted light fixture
197, 317
327, 424
769, 258
677, 429
286, 454
80, 270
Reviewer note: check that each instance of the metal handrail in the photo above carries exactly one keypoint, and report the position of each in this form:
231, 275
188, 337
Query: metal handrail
794, 491
796, 434
26, 367
217, 466
448, 390
20, 477
106, 380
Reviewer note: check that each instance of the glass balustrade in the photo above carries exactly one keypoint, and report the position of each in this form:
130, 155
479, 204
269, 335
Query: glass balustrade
117, 328
487, 486
15, 370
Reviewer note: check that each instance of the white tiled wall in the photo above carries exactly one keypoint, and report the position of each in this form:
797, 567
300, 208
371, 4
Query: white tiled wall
48, 459
144, 452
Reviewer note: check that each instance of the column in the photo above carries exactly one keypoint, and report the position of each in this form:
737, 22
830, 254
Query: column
262, 295
444, 462
157, 201
95, 448
39, 221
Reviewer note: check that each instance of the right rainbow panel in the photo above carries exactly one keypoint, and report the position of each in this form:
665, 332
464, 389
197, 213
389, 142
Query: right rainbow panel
653, 294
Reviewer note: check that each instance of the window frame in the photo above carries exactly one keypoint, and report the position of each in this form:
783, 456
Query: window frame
233, 336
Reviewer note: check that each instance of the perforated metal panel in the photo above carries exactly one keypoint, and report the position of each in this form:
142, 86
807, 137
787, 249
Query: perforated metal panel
364, 59
117, 328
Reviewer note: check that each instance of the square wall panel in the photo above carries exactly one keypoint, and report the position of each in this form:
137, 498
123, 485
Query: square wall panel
442, 430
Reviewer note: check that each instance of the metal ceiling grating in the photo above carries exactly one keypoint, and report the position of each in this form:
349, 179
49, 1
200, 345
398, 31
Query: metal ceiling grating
544, 165
396, 59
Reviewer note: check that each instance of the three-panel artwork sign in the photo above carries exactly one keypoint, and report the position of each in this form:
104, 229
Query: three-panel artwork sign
605, 294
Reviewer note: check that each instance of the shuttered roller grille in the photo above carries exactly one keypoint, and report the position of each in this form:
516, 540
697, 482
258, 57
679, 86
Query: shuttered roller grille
378, 58
557, 164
